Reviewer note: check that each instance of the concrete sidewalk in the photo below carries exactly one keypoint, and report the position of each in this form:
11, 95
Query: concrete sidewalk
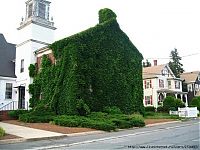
28, 133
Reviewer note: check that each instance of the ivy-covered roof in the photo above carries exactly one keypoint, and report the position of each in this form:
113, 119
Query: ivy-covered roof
107, 19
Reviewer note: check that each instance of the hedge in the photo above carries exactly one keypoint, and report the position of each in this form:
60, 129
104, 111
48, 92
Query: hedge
15, 113
101, 121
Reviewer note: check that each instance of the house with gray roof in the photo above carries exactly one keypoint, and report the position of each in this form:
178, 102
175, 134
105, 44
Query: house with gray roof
7, 71
191, 83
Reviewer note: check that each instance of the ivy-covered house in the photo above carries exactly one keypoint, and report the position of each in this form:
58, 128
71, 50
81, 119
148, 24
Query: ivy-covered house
99, 67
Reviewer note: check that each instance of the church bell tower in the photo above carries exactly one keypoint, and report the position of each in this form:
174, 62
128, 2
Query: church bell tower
36, 31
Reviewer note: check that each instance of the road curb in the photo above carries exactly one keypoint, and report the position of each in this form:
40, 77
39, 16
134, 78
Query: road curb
10, 141
17, 140
161, 123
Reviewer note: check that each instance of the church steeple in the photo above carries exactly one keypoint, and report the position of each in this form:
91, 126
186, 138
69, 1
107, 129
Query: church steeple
37, 11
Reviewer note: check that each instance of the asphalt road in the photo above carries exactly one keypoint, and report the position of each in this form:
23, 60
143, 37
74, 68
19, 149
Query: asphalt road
182, 135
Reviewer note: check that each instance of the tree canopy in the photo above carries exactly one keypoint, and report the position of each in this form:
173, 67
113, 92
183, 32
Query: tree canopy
146, 63
175, 65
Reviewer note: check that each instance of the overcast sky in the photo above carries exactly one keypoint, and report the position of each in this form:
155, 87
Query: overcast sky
154, 26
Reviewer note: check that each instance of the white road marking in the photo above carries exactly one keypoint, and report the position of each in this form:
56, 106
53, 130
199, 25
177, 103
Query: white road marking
108, 138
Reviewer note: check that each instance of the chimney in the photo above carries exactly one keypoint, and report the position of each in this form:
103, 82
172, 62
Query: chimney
155, 62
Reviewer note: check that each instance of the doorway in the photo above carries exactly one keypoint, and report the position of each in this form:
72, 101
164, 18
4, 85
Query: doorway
21, 102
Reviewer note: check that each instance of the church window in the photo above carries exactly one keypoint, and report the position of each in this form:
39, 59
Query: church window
42, 10
22, 66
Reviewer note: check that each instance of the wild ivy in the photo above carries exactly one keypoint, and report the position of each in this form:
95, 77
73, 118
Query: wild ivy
99, 66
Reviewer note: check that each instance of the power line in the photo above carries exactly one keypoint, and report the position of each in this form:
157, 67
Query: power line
170, 58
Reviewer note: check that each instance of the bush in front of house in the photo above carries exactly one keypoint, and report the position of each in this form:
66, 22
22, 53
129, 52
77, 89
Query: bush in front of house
15, 113
170, 103
195, 102
162, 109
149, 109
2, 132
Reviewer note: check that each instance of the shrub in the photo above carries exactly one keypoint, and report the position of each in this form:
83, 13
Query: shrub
80, 121
195, 102
35, 119
41, 113
137, 120
112, 110
171, 102
168, 102
2, 132
179, 103
162, 109
149, 109
15, 113
101, 121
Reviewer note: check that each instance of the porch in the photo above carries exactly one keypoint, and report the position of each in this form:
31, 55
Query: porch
163, 93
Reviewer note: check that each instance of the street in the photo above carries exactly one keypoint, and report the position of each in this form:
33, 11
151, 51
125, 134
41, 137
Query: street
179, 135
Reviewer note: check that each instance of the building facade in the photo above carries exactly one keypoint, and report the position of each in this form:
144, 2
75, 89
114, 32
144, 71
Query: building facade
36, 31
191, 82
159, 82
7, 74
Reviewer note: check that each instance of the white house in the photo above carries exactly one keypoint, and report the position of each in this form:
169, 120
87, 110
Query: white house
159, 82
35, 32
7, 74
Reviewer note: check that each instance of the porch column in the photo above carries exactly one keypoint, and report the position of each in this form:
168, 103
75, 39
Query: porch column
156, 104
165, 95
181, 97
186, 101
176, 95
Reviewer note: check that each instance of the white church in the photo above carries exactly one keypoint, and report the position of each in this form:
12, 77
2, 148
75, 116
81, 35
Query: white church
36, 31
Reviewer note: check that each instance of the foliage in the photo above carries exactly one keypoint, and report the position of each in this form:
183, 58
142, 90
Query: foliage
162, 109
195, 102
170, 103
175, 65
99, 66
32, 70
149, 109
146, 64
179, 103
30, 118
101, 121
112, 110
82, 108
106, 14
41, 113
15, 113
2, 132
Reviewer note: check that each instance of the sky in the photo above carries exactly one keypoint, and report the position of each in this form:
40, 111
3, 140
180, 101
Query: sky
155, 27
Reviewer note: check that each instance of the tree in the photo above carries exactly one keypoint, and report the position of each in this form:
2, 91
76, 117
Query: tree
146, 64
175, 65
